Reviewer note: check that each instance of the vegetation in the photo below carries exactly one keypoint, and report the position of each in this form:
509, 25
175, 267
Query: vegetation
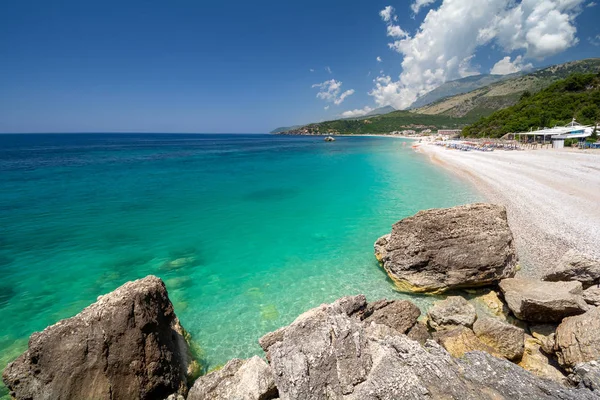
577, 96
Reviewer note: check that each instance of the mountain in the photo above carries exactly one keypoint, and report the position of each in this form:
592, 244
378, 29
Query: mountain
577, 96
285, 128
460, 86
379, 111
485, 100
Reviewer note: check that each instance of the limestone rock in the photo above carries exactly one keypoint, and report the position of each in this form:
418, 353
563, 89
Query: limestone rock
537, 301
452, 312
380, 247
238, 380
588, 375
397, 314
591, 295
440, 249
419, 333
578, 339
490, 304
462, 340
505, 338
538, 363
129, 344
575, 267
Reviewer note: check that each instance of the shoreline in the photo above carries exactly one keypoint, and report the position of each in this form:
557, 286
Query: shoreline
552, 198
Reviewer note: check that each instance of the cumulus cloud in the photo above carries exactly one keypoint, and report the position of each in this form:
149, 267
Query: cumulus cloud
446, 42
595, 41
359, 112
331, 91
505, 66
418, 4
326, 107
379, 59
592, 4
396, 32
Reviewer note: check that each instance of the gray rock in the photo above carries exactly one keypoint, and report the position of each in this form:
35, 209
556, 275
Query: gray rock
537, 301
440, 249
129, 344
397, 314
578, 339
452, 312
591, 295
380, 247
505, 338
574, 266
419, 333
238, 380
327, 354
588, 375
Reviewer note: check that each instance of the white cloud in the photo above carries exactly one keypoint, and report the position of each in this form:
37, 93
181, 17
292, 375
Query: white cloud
592, 4
416, 6
326, 107
331, 91
359, 112
396, 32
312, 70
328, 70
379, 59
595, 41
505, 66
446, 42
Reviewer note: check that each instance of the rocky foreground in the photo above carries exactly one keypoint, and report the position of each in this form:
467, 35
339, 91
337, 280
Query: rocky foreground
517, 339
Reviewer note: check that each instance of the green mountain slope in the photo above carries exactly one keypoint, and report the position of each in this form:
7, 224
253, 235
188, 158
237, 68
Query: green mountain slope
483, 101
577, 96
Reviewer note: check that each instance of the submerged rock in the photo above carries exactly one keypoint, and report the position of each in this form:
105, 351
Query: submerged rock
578, 339
129, 344
505, 338
238, 380
440, 249
537, 301
574, 266
452, 312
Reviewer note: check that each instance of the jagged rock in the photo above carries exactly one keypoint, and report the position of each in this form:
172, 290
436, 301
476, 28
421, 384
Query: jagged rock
397, 314
588, 375
452, 312
440, 249
505, 338
591, 295
575, 267
129, 344
327, 354
238, 380
380, 245
538, 363
419, 332
462, 340
578, 339
537, 301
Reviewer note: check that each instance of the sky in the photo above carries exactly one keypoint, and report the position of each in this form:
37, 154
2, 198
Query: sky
249, 67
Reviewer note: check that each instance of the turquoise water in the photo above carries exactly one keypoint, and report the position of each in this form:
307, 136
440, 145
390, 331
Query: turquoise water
247, 231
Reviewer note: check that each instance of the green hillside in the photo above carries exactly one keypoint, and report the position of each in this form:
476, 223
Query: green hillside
394, 121
577, 96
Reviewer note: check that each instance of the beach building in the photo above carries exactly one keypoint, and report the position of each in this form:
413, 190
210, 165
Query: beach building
450, 133
558, 134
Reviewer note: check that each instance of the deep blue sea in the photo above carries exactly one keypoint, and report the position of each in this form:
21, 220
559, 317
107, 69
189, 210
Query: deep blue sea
247, 231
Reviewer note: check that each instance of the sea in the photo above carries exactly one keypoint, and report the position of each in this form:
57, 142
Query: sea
247, 231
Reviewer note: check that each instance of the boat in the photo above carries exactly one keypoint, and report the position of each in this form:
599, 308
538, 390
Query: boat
329, 139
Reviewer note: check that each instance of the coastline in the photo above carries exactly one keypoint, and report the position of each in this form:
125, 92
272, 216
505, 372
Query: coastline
552, 198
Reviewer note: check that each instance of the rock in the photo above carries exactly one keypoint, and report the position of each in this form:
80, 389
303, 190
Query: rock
380, 245
591, 295
328, 354
490, 304
505, 338
440, 249
578, 339
397, 314
538, 363
419, 333
538, 301
238, 380
462, 340
129, 344
588, 375
452, 312
575, 267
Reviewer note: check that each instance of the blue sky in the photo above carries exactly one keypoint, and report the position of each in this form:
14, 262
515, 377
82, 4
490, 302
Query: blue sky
239, 66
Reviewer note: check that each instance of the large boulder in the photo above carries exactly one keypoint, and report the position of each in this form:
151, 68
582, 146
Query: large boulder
591, 295
505, 338
578, 339
574, 266
329, 353
537, 301
238, 380
440, 249
461, 340
587, 375
129, 344
536, 361
397, 314
452, 312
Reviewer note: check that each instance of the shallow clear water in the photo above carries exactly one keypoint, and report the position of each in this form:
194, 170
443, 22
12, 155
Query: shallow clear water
247, 231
